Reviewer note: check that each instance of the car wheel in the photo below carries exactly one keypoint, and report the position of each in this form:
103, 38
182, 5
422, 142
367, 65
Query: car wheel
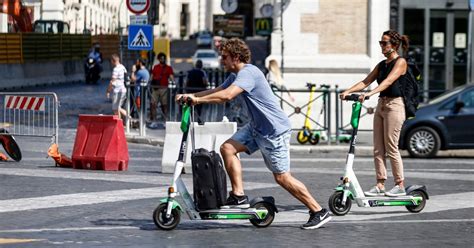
423, 142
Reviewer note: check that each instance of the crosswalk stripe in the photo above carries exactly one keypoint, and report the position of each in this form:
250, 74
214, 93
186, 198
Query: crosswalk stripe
4, 241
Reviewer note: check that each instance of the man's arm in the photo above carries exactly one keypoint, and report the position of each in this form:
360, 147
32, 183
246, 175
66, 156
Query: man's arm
217, 95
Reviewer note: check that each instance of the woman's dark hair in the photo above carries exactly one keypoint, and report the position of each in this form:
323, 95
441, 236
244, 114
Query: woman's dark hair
396, 39
237, 48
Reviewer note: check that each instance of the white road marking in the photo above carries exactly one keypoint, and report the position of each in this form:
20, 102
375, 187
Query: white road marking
434, 204
69, 229
408, 174
343, 160
68, 200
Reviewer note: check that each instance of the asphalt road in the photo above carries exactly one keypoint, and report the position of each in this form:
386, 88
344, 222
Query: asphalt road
46, 206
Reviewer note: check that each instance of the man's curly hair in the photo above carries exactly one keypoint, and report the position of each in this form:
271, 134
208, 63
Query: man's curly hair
237, 48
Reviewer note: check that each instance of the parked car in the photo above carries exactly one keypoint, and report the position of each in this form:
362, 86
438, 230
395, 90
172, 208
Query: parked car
210, 58
445, 122
204, 39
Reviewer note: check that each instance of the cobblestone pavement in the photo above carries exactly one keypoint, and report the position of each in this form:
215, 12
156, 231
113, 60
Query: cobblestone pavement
46, 206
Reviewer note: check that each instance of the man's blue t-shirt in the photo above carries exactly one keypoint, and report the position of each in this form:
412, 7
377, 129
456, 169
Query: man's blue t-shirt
266, 115
141, 75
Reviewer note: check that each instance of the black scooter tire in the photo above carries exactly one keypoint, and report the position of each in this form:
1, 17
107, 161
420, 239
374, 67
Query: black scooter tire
314, 140
159, 217
268, 219
9, 144
301, 138
417, 209
335, 205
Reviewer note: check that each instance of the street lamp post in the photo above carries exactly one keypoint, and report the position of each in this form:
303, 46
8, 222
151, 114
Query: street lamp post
282, 39
120, 30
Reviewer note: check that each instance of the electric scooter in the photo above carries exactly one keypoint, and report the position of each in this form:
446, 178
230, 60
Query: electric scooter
350, 190
167, 215
307, 134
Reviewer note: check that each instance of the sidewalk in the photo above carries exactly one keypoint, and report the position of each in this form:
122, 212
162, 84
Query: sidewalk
364, 146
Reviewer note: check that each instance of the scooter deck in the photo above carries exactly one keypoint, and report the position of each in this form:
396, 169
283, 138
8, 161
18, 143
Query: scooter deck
233, 213
379, 201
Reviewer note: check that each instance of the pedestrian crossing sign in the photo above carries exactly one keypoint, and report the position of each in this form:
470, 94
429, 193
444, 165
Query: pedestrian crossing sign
140, 37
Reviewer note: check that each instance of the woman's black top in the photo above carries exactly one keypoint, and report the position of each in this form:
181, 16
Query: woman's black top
384, 69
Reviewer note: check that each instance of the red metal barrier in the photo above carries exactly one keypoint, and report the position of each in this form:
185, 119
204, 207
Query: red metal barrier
100, 143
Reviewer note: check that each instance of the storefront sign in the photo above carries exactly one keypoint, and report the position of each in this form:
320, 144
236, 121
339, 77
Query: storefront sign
438, 39
460, 40
229, 25
263, 26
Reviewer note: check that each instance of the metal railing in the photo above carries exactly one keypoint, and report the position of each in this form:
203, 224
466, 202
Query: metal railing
331, 108
32, 114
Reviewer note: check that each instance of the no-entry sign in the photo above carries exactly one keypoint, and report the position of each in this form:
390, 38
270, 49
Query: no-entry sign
138, 6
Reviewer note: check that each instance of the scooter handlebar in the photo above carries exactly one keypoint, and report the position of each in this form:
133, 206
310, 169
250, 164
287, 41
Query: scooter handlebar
354, 97
185, 100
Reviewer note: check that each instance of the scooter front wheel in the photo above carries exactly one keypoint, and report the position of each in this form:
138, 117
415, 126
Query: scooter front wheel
268, 219
335, 204
421, 205
164, 223
302, 138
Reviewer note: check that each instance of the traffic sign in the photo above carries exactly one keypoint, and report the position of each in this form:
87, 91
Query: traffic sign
140, 37
138, 6
138, 19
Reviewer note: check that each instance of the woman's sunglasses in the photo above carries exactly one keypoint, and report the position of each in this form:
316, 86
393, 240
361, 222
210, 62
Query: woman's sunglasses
383, 42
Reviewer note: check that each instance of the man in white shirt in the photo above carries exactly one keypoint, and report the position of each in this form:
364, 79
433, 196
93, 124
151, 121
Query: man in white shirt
117, 87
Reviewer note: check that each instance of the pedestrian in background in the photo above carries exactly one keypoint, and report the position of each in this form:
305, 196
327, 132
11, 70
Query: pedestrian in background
196, 81
275, 79
117, 87
390, 112
139, 74
162, 73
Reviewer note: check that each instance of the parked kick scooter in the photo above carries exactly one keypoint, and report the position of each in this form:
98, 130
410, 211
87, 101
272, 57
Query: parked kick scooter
307, 134
168, 214
349, 190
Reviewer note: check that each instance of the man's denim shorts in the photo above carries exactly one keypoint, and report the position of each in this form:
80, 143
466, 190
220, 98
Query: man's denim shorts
275, 149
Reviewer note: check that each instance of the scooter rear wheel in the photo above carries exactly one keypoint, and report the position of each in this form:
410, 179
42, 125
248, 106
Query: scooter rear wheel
159, 217
335, 204
421, 206
314, 139
268, 218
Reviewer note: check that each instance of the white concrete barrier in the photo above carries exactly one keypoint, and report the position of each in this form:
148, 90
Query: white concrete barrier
210, 136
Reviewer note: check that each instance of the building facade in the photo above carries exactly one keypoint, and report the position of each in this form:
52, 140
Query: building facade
82, 16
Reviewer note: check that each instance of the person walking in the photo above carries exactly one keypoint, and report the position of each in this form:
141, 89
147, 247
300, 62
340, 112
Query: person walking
275, 79
390, 112
196, 81
161, 74
117, 87
139, 74
269, 130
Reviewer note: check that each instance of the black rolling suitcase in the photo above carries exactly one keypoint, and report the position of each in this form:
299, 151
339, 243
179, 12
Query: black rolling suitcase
209, 179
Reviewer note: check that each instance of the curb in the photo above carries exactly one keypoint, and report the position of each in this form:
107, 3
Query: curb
144, 140
361, 151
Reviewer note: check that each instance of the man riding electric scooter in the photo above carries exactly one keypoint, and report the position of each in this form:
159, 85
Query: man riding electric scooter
269, 130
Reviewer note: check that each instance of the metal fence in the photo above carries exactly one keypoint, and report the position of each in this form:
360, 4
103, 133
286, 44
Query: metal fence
30, 114
328, 119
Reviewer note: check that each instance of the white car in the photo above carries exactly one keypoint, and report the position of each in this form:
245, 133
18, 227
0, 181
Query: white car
210, 58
